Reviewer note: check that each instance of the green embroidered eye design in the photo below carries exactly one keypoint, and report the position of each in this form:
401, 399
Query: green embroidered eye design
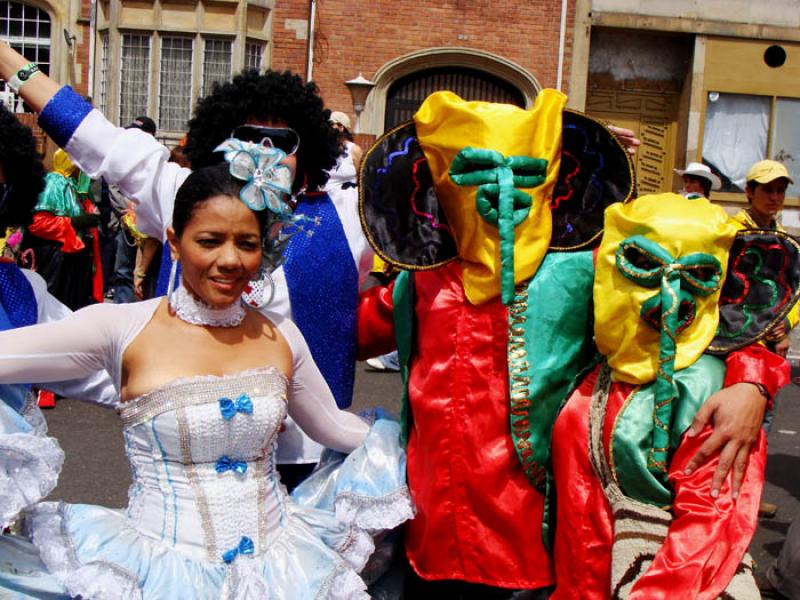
670, 310
498, 200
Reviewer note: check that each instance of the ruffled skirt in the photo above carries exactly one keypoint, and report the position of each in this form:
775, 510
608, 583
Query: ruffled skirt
325, 541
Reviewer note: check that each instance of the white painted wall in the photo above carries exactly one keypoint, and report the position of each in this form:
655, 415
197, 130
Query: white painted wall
780, 13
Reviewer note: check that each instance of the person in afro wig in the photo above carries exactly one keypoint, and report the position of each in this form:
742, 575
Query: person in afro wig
21, 171
269, 98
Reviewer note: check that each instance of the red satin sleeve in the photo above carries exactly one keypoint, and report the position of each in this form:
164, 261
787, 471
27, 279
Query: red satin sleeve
48, 226
708, 537
756, 364
376, 322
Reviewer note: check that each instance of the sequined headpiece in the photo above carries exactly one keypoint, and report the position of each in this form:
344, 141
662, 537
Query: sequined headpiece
268, 187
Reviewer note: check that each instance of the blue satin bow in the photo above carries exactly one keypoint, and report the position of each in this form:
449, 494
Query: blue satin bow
229, 407
245, 547
226, 463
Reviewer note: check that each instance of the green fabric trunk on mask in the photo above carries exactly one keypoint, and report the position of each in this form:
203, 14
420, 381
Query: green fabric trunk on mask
633, 431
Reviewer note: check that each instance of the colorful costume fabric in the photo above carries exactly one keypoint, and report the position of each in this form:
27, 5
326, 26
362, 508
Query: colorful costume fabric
207, 514
630, 522
67, 258
322, 273
493, 210
473, 214
743, 219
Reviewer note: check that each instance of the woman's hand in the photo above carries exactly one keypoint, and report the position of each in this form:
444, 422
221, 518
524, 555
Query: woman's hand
736, 413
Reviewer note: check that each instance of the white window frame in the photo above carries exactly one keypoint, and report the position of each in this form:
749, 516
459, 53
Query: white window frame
208, 83
28, 46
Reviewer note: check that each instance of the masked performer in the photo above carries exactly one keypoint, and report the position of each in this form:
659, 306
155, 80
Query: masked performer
492, 210
631, 521
63, 234
317, 285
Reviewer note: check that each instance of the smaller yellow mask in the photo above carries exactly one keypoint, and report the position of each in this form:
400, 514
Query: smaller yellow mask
62, 164
659, 250
494, 167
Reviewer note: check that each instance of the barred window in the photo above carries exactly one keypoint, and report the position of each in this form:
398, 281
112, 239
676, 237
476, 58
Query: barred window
254, 55
134, 77
216, 63
102, 99
175, 90
26, 29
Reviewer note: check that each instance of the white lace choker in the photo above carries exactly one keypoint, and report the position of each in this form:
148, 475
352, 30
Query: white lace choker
194, 311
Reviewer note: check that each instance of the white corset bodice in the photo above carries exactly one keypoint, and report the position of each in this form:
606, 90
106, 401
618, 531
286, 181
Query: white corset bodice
203, 482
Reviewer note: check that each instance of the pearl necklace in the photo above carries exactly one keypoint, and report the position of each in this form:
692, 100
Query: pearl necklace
195, 311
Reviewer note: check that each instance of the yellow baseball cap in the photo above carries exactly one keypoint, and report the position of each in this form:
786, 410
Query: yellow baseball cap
765, 171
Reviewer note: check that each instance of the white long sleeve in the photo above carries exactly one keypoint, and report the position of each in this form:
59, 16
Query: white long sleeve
94, 338
79, 345
311, 403
96, 387
134, 161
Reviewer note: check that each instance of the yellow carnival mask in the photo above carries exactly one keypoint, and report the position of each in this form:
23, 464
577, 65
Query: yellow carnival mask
494, 167
660, 269
62, 164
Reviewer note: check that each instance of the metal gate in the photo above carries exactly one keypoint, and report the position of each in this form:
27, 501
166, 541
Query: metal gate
406, 94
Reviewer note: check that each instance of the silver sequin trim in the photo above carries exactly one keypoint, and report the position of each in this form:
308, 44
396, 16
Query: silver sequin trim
199, 494
202, 390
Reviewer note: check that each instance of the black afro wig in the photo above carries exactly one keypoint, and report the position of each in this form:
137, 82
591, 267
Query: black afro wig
23, 169
263, 96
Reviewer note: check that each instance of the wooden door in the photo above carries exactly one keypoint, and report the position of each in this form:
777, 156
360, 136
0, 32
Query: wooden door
653, 117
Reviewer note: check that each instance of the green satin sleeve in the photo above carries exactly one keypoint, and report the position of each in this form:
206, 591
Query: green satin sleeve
58, 197
633, 429
549, 343
403, 314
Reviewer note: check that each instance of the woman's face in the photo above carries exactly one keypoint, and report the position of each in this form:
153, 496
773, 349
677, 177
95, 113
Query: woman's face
219, 250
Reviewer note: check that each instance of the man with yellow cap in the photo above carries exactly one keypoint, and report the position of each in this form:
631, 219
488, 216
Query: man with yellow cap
765, 187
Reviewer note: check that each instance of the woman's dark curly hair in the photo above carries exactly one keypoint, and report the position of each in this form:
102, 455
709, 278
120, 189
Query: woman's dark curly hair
23, 169
263, 96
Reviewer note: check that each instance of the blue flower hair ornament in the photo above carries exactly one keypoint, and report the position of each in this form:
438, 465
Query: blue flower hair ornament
268, 187
268, 180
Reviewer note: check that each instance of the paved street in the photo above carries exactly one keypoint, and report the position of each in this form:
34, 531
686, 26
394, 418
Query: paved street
96, 470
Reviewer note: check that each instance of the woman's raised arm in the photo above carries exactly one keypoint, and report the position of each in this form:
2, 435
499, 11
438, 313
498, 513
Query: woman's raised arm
37, 90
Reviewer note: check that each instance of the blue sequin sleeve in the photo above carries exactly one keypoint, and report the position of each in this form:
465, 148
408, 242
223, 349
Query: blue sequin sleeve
63, 113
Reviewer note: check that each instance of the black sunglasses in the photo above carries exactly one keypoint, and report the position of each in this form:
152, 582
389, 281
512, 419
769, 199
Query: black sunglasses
282, 138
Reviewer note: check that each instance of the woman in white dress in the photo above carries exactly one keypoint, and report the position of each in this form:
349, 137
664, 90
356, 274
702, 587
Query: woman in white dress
205, 383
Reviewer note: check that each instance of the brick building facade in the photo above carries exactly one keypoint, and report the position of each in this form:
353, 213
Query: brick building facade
648, 65
384, 41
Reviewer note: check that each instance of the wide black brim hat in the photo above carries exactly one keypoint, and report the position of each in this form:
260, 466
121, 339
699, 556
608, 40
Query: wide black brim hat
406, 225
761, 287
